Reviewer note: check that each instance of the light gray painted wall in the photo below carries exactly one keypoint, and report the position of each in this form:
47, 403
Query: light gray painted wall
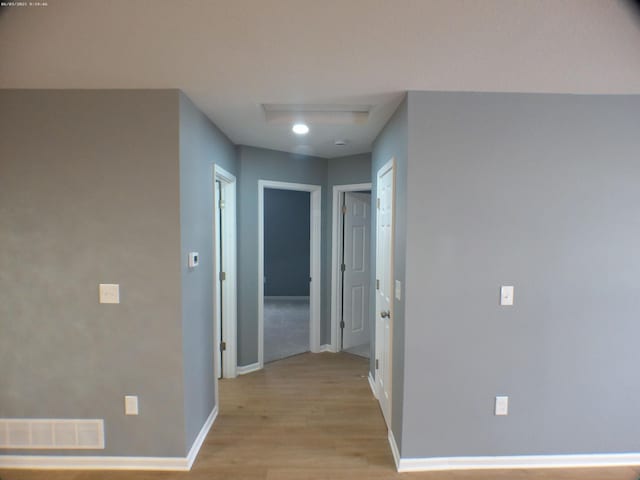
392, 142
201, 146
341, 171
89, 193
541, 192
287, 226
254, 164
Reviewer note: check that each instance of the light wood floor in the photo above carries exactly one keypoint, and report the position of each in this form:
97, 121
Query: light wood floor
309, 417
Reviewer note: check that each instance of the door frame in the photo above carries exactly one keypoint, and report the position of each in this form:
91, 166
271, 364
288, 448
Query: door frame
315, 271
390, 165
229, 266
336, 253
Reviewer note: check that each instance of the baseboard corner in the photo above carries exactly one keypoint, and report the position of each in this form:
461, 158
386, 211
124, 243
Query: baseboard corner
394, 450
202, 435
372, 385
244, 369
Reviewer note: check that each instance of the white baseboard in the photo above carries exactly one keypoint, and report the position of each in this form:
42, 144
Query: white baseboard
327, 347
68, 462
372, 384
394, 449
286, 297
243, 370
197, 443
514, 462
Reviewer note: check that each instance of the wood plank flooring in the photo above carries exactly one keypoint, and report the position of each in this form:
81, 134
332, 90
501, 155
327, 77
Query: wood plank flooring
309, 417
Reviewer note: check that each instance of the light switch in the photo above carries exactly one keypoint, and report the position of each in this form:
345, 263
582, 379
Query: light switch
131, 405
506, 295
109, 293
502, 405
398, 290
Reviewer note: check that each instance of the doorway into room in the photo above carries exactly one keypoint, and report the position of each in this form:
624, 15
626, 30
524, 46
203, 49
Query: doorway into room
351, 269
289, 270
287, 236
225, 283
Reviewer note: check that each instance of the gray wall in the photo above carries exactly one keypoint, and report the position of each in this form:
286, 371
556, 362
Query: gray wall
89, 193
201, 145
255, 164
392, 142
286, 242
541, 192
341, 171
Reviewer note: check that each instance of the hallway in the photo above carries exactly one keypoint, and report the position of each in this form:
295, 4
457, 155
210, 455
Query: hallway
308, 417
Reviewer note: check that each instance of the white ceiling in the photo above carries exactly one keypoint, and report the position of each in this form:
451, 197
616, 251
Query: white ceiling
231, 56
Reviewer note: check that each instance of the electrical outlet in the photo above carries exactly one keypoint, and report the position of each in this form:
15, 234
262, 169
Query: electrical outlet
506, 295
109, 293
502, 405
131, 405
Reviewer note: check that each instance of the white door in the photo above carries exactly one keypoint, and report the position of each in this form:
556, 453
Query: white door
384, 285
356, 276
218, 243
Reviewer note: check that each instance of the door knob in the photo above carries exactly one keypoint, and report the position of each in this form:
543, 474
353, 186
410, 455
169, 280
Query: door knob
386, 314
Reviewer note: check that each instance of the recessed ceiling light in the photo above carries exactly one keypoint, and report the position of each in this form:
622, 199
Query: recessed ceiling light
300, 129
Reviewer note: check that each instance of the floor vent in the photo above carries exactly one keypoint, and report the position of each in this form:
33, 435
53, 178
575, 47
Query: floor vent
26, 433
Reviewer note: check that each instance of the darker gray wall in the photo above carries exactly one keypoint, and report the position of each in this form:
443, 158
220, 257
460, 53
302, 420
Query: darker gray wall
259, 164
540, 192
202, 145
392, 142
286, 242
89, 194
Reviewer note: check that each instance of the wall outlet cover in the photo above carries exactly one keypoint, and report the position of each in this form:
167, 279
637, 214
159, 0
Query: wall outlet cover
131, 405
502, 405
109, 293
506, 295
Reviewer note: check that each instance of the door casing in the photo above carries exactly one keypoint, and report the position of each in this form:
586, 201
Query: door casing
229, 266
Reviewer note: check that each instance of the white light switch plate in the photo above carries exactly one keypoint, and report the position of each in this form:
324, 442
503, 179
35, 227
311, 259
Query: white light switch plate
109, 293
506, 295
398, 290
502, 405
131, 405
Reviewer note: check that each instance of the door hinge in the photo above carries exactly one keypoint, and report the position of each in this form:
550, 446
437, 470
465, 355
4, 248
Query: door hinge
342, 324
377, 364
310, 279
221, 204
223, 346
377, 203
344, 209
377, 284
223, 276
343, 267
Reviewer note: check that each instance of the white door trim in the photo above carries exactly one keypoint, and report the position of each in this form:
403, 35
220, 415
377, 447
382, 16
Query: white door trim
336, 250
229, 266
315, 264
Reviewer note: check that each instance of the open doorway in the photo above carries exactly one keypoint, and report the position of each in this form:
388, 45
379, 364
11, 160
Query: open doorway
289, 218
351, 269
287, 236
225, 283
